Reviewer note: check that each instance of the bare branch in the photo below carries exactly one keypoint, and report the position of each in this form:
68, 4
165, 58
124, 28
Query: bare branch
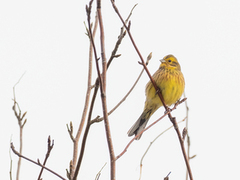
103, 84
21, 123
167, 177
87, 99
16, 85
120, 37
99, 173
70, 170
95, 86
188, 137
50, 146
70, 131
91, 37
98, 119
10, 156
166, 113
172, 119
184, 133
97, 82
37, 163
151, 143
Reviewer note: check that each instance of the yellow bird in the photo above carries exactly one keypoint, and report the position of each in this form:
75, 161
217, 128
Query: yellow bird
170, 81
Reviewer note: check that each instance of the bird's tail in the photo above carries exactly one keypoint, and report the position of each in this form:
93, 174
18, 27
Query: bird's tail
140, 124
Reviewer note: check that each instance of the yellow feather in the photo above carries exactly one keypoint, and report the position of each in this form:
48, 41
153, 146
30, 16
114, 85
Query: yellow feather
170, 81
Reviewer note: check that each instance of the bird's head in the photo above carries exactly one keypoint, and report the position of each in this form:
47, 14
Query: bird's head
170, 62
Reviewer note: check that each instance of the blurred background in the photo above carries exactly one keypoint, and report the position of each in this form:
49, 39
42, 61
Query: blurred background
46, 40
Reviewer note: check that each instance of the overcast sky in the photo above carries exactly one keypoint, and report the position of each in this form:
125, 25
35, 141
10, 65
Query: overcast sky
46, 40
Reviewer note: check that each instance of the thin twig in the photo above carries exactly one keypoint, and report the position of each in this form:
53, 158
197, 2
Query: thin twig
37, 163
99, 119
21, 123
167, 177
113, 55
120, 37
87, 100
170, 110
96, 85
172, 119
50, 146
188, 137
139, 54
99, 173
151, 143
10, 156
127, 146
70, 131
16, 85
103, 84
94, 52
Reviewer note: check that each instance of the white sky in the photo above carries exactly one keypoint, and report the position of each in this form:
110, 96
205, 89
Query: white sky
47, 40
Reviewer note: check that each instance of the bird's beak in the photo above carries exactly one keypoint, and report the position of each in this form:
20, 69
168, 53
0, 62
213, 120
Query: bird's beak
162, 60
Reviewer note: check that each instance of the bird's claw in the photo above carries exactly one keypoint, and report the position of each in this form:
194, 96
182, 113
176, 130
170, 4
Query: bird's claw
168, 110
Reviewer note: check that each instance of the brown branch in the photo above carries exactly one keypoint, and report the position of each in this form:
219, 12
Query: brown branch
93, 50
70, 131
166, 113
96, 85
120, 37
21, 123
50, 146
139, 54
151, 143
99, 119
99, 173
172, 119
86, 132
87, 99
10, 171
103, 91
188, 138
113, 55
167, 177
187, 135
89, 86
125, 149
37, 163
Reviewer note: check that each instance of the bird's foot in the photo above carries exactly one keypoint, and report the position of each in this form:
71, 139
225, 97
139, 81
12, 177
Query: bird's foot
168, 110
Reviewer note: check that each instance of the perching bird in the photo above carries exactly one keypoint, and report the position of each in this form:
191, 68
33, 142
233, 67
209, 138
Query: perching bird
170, 81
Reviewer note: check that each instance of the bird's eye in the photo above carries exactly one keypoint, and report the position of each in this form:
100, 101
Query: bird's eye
169, 60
